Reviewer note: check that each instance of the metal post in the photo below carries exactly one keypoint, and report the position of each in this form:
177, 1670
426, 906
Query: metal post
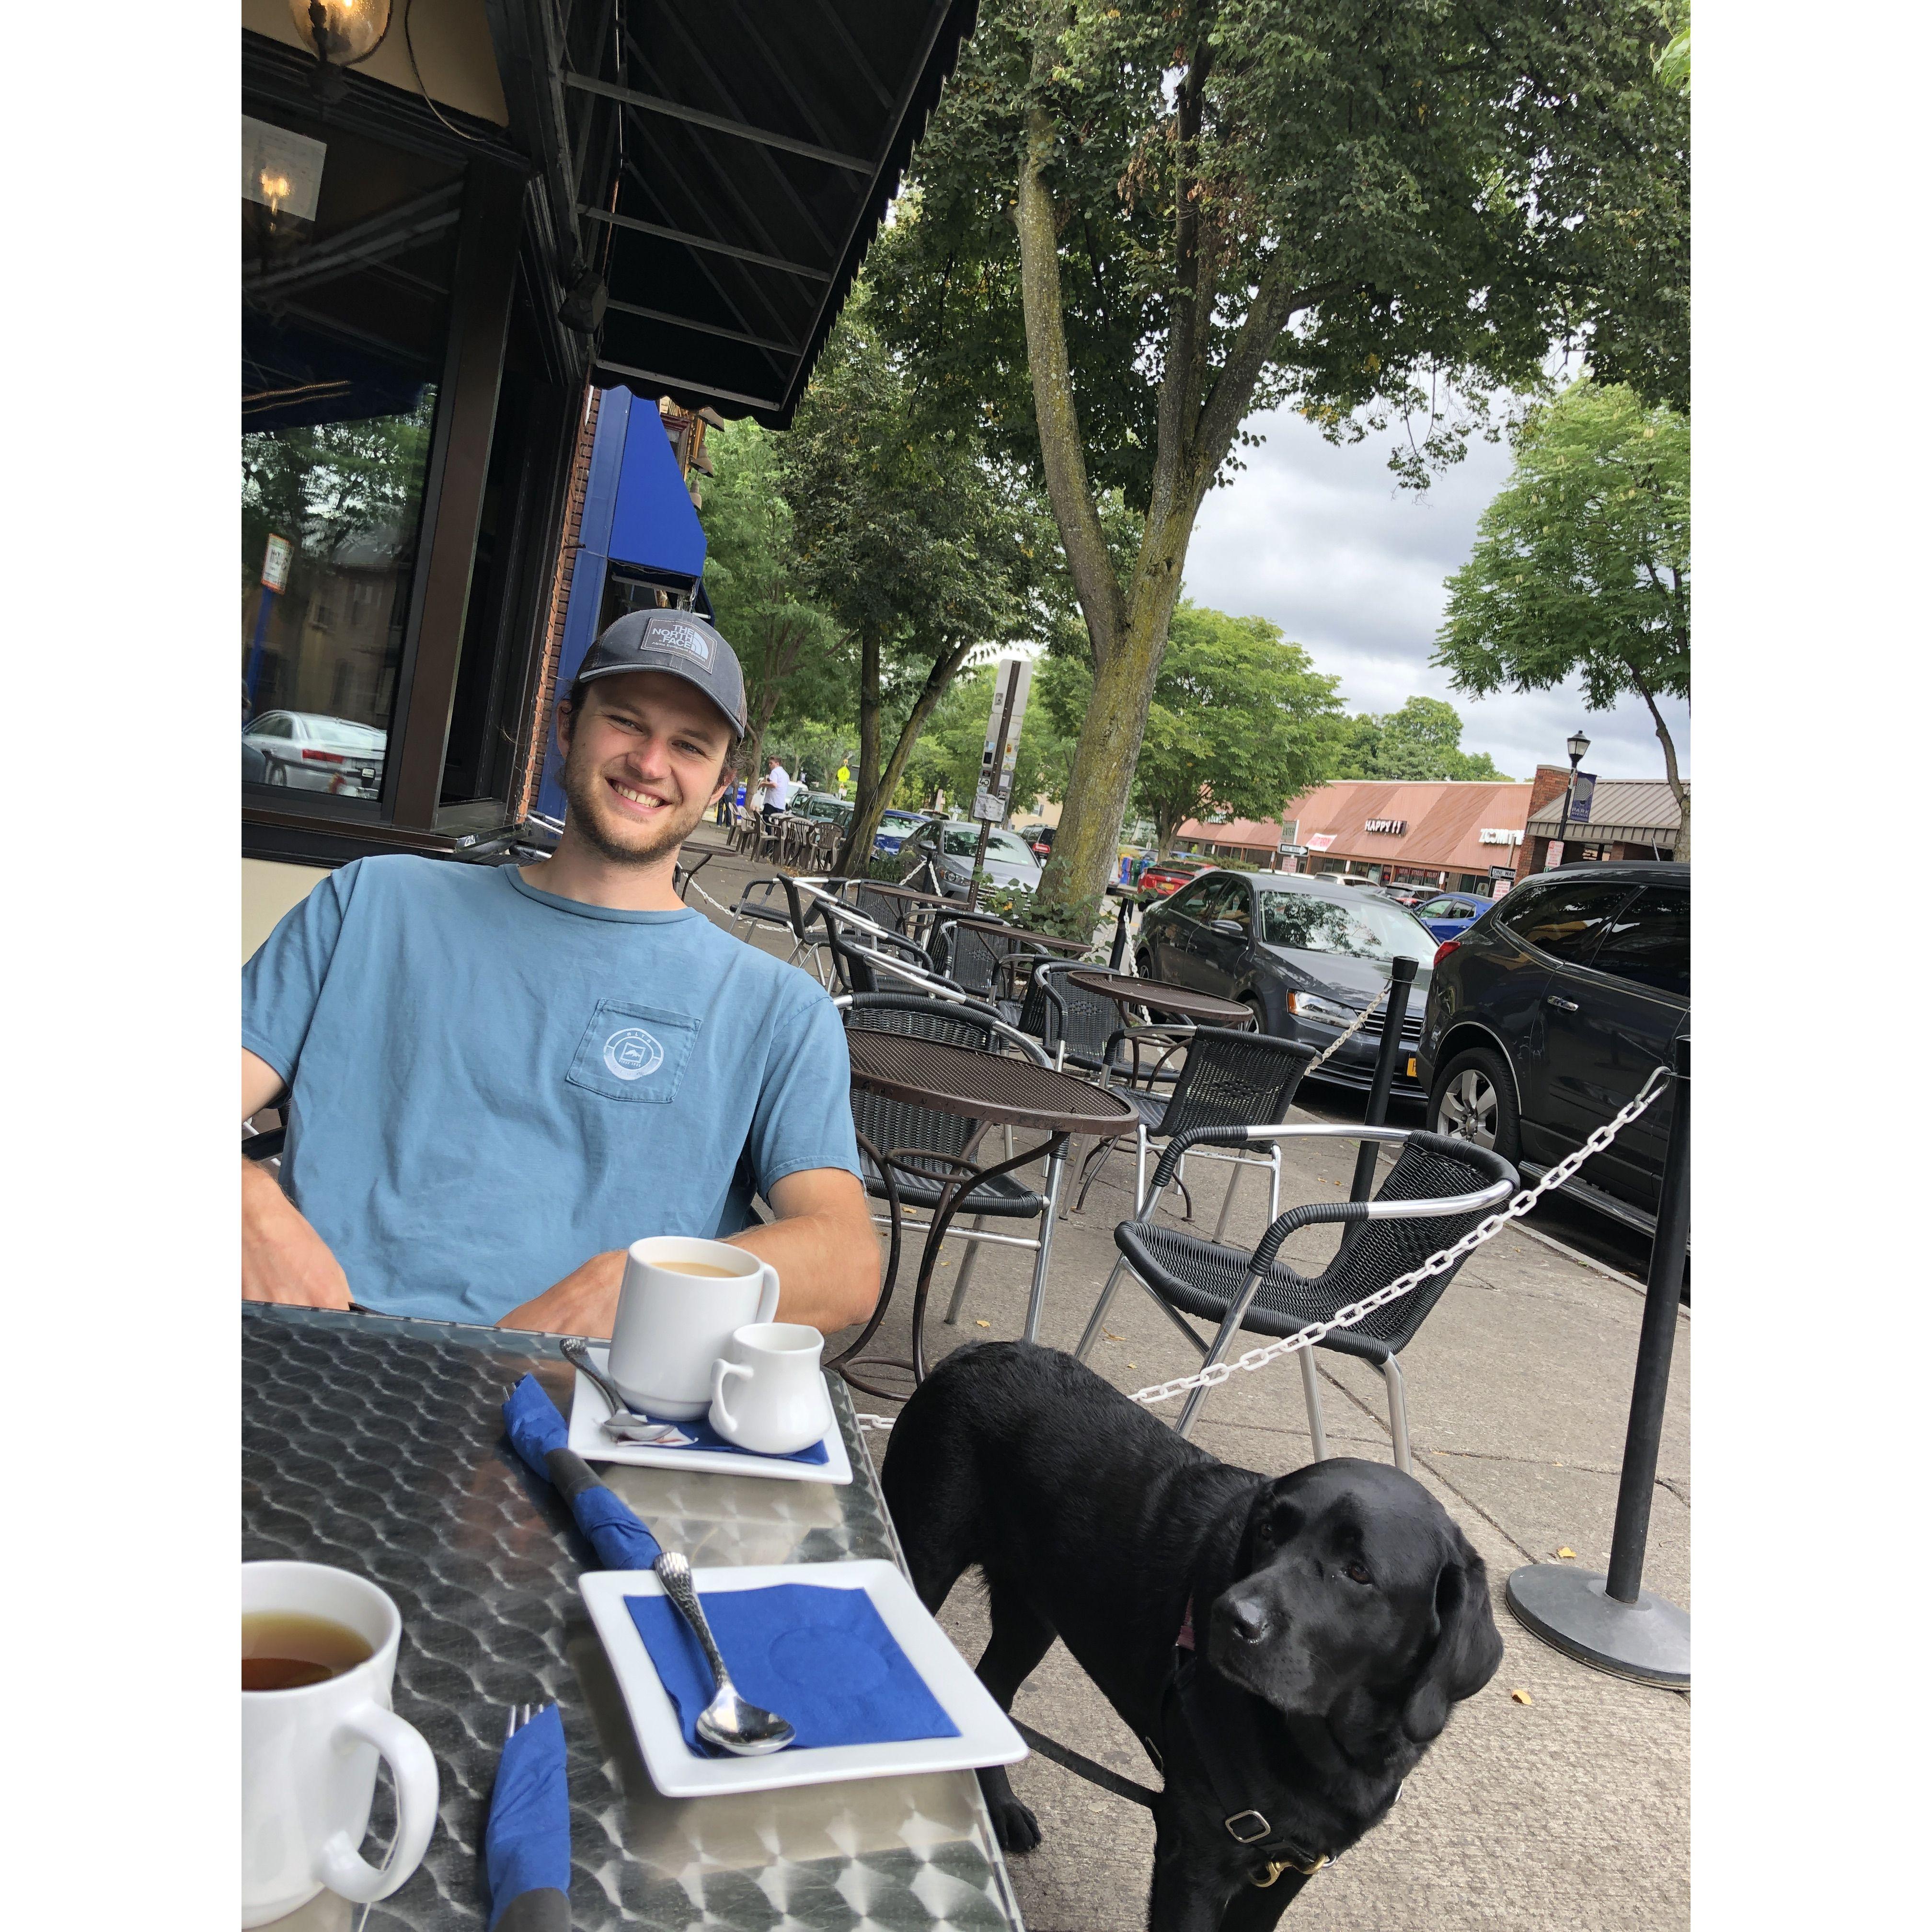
979, 859
1402, 975
1120, 952
1612, 1620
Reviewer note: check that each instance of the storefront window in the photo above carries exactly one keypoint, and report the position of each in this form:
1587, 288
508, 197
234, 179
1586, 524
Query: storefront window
348, 252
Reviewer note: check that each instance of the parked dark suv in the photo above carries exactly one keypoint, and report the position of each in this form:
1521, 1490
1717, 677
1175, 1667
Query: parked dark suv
1546, 1016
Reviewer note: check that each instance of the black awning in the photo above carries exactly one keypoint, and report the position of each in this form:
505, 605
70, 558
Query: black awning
747, 155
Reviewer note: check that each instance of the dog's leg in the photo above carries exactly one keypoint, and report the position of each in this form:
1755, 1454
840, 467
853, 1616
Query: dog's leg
1021, 1638
1187, 1894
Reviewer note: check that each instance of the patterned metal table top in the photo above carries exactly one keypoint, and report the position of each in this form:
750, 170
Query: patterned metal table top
377, 1445
984, 1086
1130, 989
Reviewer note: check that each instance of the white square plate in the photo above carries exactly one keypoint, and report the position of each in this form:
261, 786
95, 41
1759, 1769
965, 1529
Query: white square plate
588, 1408
986, 1736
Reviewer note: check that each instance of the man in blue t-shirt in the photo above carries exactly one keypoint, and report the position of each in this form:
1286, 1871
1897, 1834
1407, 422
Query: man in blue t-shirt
496, 1079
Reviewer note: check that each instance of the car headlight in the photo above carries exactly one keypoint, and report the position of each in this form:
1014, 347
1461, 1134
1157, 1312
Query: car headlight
1325, 1013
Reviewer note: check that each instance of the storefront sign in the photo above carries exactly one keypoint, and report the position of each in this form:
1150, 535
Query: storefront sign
1289, 832
275, 564
1390, 828
1498, 835
281, 171
1320, 841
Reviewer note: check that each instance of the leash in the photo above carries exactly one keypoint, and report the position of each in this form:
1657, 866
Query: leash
1071, 1760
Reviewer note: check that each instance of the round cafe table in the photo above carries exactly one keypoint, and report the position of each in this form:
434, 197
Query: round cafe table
1128, 989
997, 1091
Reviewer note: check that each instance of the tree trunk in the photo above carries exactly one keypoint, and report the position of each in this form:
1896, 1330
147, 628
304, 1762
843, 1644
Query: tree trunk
1679, 790
867, 803
870, 807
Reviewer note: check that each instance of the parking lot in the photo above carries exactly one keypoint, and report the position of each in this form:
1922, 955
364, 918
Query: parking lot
1558, 1795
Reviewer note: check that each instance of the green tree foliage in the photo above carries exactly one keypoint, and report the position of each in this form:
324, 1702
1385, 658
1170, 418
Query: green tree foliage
946, 757
1422, 739
919, 544
796, 663
1581, 566
1241, 721
1134, 226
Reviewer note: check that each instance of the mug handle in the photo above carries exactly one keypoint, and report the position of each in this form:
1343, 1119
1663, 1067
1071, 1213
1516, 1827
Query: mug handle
721, 1370
343, 1868
768, 1294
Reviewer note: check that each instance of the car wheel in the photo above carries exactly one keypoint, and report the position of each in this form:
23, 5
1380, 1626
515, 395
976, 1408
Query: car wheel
1252, 1001
1474, 1099
1144, 964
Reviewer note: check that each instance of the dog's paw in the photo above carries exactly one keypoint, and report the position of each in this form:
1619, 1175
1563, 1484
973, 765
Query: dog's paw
1017, 1829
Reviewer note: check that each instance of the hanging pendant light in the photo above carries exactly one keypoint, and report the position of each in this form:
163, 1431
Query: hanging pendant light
340, 33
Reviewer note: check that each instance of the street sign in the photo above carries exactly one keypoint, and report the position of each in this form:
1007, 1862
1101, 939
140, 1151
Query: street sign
1011, 684
275, 564
1583, 797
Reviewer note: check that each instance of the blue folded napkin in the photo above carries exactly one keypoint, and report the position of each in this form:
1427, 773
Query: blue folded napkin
537, 1433
526, 1839
824, 1658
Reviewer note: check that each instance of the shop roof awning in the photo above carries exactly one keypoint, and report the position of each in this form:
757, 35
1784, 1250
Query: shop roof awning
733, 163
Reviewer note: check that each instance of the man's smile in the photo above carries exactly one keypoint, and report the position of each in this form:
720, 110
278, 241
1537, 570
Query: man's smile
643, 803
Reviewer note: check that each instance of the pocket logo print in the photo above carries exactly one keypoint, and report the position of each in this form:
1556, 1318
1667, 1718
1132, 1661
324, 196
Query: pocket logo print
632, 1053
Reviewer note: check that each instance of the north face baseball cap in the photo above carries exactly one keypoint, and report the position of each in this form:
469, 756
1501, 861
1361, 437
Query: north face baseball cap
678, 642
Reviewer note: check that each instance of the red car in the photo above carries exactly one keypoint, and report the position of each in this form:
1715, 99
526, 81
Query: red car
1169, 875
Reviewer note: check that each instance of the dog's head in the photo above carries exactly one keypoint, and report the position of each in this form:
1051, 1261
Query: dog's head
1351, 1577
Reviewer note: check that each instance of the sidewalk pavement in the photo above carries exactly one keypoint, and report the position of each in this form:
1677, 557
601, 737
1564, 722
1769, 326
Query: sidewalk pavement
1559, 1796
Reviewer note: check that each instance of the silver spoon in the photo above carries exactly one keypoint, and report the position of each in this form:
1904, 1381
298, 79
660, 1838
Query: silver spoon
623, 1424
727, 1721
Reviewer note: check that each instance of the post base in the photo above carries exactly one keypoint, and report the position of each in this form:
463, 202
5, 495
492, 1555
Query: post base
1649, 1641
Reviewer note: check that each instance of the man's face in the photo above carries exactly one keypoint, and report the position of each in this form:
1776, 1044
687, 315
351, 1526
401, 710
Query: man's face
642, 763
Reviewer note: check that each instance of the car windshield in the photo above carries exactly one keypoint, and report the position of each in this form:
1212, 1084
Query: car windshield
962, 840
1362, 927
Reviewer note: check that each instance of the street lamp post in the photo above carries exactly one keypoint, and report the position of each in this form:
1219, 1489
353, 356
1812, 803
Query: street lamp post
1579, 749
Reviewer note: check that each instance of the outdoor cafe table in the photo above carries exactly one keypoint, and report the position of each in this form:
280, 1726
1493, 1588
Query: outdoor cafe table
1128, 989
997, 1090
376, 1444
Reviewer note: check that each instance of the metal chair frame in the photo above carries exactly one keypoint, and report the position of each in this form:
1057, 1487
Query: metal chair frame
961, 1016
1173, 1122
1262, 1262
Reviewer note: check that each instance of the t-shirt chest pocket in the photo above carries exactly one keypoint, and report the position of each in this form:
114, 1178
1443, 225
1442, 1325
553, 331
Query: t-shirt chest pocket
630, 1052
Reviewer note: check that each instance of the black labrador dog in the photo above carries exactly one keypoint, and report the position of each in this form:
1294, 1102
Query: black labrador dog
1285, 1648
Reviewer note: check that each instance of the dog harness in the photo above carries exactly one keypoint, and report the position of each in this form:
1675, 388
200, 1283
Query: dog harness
1248, 1827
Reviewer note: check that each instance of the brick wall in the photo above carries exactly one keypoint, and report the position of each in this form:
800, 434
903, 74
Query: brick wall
564, 570
1550, 783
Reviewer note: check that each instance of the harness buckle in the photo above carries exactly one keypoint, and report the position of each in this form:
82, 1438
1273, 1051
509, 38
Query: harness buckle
1247, 1838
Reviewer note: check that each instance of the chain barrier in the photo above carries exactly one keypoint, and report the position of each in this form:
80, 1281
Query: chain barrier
1347, 1033
1485, 1230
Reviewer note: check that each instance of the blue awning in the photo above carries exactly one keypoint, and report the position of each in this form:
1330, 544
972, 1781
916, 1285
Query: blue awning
653, 525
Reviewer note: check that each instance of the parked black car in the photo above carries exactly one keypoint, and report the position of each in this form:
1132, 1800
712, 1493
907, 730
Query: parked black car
1546, 1016
1306, 955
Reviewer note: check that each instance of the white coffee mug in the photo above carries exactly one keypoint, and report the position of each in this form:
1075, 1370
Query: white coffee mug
671, 1327
767, 1393
308, 1755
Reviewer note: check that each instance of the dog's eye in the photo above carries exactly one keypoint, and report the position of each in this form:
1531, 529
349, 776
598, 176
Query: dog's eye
1358, 1572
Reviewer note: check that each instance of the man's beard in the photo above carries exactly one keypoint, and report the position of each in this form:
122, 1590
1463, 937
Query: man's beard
585, 790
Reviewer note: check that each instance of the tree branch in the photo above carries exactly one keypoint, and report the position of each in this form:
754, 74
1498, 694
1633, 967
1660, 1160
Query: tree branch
1062, 452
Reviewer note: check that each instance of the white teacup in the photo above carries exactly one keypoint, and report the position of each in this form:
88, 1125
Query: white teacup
672, 1325
767, 1394
308, 1755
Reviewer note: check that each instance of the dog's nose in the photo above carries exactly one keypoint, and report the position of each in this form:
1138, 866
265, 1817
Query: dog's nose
1249, 1621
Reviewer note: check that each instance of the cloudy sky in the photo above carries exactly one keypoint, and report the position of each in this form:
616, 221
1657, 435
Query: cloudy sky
1321, 541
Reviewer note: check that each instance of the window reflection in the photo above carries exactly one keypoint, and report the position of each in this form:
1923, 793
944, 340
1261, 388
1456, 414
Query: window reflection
344, 320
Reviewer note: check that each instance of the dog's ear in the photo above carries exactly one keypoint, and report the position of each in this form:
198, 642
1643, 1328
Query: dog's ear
1467, 1651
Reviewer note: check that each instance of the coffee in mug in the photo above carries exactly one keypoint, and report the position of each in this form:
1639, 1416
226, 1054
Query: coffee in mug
284, 1649
309, 1748
682, 1299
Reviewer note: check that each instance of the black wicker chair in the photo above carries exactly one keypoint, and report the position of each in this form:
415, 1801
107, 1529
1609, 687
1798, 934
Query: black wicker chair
1437, 1191
920, 1149
1231, 1078
866, 958
886, 909
983, 959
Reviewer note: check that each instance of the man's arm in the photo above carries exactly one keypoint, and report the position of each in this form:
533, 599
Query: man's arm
283, 1258
823, 1244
